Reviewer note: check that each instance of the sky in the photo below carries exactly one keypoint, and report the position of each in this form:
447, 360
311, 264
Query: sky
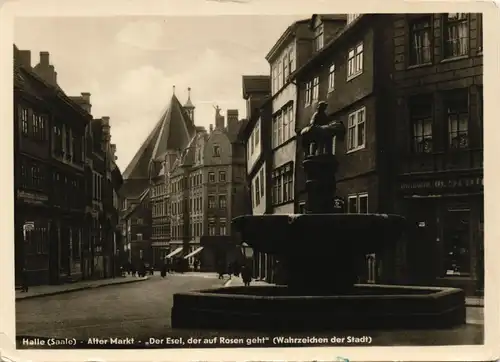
130, 64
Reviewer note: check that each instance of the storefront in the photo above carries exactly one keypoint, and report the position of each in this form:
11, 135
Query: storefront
444, 243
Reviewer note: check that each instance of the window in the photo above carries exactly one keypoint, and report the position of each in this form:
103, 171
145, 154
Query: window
421, 122
257, 134
222, 176
139, 221
212, 229
275, 80
262, 181
357, 204
308, 93
457, 109
257, 190
222, 201
211, 177
141, 253
282, 181
319, 37
290, 60
138, 237
334, 144
285, 69
275, 132
331, 78
280, 79
355, 61
280, 128
480, 33
211, 202
291, 121
420, 40
356, 130
456, 35
302, 207
352, 17
315, 90
24, 121
222, 228
216, 150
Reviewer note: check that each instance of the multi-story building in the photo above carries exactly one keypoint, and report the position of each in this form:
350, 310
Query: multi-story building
256, 134
206, 190
150, 164
350, 72
51, 158
136, 222
438, 74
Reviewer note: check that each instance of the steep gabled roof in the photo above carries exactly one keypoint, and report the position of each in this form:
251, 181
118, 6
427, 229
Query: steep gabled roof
172, 132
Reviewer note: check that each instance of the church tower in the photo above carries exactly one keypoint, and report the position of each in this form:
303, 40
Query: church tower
189, 106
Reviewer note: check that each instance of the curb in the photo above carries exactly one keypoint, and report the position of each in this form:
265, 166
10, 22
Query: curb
77, 289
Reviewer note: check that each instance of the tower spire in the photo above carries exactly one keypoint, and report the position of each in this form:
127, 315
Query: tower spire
189, 106
189, 94
173, 90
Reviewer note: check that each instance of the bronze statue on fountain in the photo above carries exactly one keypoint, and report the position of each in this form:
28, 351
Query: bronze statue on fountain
323, 252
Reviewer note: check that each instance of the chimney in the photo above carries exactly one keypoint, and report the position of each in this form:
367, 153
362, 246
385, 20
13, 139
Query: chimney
25, 58
106, 134
113, 151
211, 128
232, 120
46, 71
85, 102
44, 59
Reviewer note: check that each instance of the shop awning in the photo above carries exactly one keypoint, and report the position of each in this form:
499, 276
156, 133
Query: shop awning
173, 253
193, 253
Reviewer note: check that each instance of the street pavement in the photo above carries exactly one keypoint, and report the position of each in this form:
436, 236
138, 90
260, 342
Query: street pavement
142, 310
126, 310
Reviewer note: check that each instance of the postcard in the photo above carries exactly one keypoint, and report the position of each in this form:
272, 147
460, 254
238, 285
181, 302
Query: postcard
210, 180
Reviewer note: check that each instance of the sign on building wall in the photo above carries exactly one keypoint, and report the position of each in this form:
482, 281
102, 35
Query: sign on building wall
444, 184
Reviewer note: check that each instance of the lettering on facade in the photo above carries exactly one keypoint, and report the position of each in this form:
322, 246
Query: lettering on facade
32, 198
443, 183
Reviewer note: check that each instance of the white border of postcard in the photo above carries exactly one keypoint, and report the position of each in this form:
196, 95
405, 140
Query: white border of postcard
53, 8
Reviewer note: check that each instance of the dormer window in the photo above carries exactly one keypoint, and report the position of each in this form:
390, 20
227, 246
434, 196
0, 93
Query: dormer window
216, 151
319, 37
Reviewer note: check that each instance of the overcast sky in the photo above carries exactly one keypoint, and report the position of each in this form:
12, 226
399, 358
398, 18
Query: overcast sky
129, 64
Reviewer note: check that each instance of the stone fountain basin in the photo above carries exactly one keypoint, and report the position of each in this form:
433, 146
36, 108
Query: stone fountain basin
272, 308
278, 234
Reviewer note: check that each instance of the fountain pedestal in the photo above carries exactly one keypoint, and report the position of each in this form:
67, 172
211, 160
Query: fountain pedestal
323, 252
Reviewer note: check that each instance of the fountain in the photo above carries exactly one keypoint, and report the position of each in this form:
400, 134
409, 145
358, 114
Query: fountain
323, 252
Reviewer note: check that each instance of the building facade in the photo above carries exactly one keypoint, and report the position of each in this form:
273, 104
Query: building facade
256, 134
350, 72
438, 74
206, 190
51, 158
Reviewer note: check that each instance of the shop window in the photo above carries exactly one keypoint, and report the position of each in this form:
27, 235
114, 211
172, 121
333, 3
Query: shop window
457, 242
357, 204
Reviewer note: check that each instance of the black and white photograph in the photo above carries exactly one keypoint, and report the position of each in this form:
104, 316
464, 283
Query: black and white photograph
248, 181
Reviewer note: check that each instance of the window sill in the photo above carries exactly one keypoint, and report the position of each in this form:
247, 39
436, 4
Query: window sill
354, 76
416, 66
283, 203
460, 57
355, 149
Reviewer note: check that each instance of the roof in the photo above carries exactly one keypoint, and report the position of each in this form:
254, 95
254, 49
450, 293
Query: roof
172, 132
28, 81
256, 84
286, 34
328, 46
327, 17
142, 197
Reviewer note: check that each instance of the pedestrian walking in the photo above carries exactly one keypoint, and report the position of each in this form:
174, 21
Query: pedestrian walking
246, 275
164, 271
24, 280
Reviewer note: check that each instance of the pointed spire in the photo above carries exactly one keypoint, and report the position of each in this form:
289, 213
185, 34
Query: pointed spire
173, 90
189, 104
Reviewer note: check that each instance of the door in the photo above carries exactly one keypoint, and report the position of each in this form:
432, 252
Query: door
456, 242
